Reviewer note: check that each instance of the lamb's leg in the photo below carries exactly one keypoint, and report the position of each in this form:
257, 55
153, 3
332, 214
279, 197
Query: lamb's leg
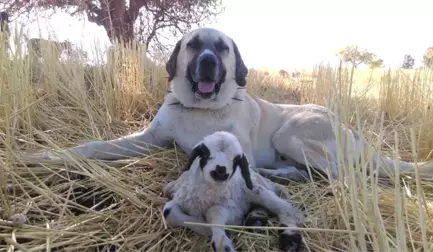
220, 242
288, 215
176, 217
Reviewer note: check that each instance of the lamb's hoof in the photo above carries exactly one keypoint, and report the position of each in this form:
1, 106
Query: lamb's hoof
224, 245
290, 240
257, 217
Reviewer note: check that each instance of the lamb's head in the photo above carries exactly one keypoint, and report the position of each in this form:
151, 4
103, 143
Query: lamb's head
219, 156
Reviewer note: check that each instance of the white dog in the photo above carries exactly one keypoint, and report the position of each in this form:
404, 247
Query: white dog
208, 79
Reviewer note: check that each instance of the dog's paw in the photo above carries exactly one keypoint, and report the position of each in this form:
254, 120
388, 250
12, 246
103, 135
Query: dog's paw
45, 156
283, 175
222, 244
290, 240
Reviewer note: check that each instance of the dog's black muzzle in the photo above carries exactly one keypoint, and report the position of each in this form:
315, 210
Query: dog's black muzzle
206, 73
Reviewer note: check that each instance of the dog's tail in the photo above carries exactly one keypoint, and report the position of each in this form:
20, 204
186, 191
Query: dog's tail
388, 166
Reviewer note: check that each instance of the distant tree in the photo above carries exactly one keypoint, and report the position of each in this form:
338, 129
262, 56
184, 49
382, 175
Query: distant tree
356, 56
284, 73
377, 63
118, 17
428, 57
408, 62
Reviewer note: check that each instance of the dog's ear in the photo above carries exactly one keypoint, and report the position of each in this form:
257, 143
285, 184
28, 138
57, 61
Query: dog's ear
202, 151
171, 65
241, 69
242, 162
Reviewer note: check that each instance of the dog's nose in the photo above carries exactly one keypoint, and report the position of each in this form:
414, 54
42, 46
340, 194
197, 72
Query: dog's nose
207, 67
220, 170
208, 60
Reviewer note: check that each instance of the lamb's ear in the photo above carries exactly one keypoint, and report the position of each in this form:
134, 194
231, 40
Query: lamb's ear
202, 151
171, 64
241, 69
242, 162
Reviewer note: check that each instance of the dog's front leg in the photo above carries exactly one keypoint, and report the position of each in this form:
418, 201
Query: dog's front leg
220, 241
136, 144
156, 135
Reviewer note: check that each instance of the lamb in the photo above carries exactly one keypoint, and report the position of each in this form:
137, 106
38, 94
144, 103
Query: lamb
212, 190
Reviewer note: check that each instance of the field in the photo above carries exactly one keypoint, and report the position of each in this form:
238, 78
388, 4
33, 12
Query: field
87, 205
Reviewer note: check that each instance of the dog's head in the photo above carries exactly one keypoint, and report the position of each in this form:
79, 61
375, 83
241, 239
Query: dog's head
206, 69
220, 154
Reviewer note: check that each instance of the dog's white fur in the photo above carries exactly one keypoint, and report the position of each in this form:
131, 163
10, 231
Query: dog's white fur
266, 131
196, 194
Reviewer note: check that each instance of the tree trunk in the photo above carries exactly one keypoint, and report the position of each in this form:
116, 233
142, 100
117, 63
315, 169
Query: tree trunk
121, 24
117, 20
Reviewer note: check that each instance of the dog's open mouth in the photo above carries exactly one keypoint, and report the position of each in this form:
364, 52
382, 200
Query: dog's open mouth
206, 90
206, 87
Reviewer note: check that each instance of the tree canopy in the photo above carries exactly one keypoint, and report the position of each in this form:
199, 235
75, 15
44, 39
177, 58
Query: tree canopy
357, 56
428, 57
128, 20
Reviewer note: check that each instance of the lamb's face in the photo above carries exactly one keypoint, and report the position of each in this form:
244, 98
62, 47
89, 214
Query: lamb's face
220, 154
219, 167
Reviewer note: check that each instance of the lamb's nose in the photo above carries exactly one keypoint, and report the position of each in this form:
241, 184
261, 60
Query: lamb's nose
220, 169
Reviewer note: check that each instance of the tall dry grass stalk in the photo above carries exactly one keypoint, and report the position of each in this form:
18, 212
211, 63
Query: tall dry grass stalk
87, 205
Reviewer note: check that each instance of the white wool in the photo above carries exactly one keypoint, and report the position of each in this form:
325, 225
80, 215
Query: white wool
195, 197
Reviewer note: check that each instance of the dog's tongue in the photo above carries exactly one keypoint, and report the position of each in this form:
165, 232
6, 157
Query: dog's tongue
206, 87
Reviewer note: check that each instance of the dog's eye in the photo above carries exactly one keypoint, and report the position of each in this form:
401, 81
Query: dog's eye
194, 44
220, 46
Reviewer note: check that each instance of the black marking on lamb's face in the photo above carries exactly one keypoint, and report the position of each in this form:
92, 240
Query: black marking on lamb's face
219, 173
204, 158
242, 162
201, 151
213, 246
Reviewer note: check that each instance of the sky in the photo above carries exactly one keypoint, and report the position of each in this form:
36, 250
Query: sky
288, 34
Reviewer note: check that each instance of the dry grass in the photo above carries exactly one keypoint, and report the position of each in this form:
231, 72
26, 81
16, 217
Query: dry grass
57, 105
